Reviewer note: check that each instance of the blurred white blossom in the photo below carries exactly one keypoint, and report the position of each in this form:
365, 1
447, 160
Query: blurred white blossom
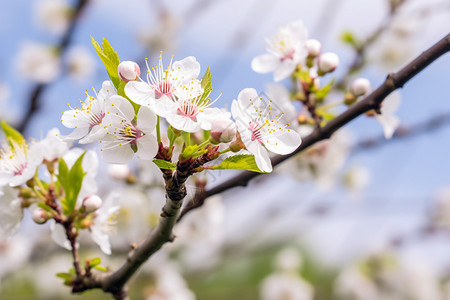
53, 15
81, 64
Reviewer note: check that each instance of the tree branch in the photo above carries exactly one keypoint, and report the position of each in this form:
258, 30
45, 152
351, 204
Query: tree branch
35, 103
372, 101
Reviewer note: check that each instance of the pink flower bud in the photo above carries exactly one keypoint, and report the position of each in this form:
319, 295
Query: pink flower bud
328, 62
92, 203
129, 71
40, 216
359, 87
313, 47
222, 131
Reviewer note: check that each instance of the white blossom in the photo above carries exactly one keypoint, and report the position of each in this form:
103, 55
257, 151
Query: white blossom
80, 63
10, 211
53, 147
170, 285
53, 15
262, 128
285, 286
104, 221
87, 121
123, 134
287, 50
158, 91
18, 162
38, 62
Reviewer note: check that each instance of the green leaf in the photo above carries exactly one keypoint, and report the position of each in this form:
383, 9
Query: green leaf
163, 164
100, 268
44, 206
65, 276
349, 38
323, 92
206, 85
327, 116
71, 181
171, 135
95, 262
189, 151
12, 134
241, 162
109, 58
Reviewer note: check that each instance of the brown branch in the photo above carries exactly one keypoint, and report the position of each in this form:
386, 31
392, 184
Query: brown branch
372, 101
35, 98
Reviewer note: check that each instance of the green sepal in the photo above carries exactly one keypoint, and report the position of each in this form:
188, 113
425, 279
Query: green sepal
100, 268
12, 134
241, 162
325, 90
206, 85
95, 262
166, 165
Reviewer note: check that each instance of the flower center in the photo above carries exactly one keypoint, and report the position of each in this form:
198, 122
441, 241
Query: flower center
255, 129
96, 119
163, 88
131, 134
189, 110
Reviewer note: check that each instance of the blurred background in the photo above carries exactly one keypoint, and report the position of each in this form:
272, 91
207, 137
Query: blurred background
366, 218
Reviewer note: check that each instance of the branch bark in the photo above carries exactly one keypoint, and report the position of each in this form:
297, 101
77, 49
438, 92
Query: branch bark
372, 101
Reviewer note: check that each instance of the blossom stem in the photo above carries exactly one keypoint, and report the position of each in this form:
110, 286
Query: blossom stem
330, 105
39, 194
158, 130
225, 151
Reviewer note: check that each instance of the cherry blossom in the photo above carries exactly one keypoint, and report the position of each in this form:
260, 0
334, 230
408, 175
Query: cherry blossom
105, 218
287, 50
10, 210
87, 120
124, 134
192, 110
262, 129
157, 91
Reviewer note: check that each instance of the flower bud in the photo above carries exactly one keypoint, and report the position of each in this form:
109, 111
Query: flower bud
328, 62
237, 145
92, 203
359, 87
222, 131
313, 47
40, 216
129, 71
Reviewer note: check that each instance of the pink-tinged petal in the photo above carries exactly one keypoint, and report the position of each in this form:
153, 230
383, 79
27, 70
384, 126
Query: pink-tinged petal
246, 97
262, 158
182, 123
280, 97
77, 133
283, 143
265, 63
146, 120
284, 69
147, 147
139, 92
115, 154
96, 134
187, 68
206, 117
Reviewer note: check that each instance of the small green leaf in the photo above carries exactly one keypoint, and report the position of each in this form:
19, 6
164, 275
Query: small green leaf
241, 162
44, 206
206, 85
65, 276
171, 135
327, 116
189, 151
71, 181
349, 38
323, 92
109, 58
163, 164
12, 134
100, 268
95, 262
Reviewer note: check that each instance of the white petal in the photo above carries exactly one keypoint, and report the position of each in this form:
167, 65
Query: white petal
389, 123
261, 156
280, 96
206, 117
59, 236
245, 96
77, 133
107, 90
283, 143
70, 119
391, 103
265, 63
182, 123
146, 120
96, 134
238, 114
125, 107
297, 31
147, 147
139, 92
162, 106
284, 69
118, 154
101, 239
188, 67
